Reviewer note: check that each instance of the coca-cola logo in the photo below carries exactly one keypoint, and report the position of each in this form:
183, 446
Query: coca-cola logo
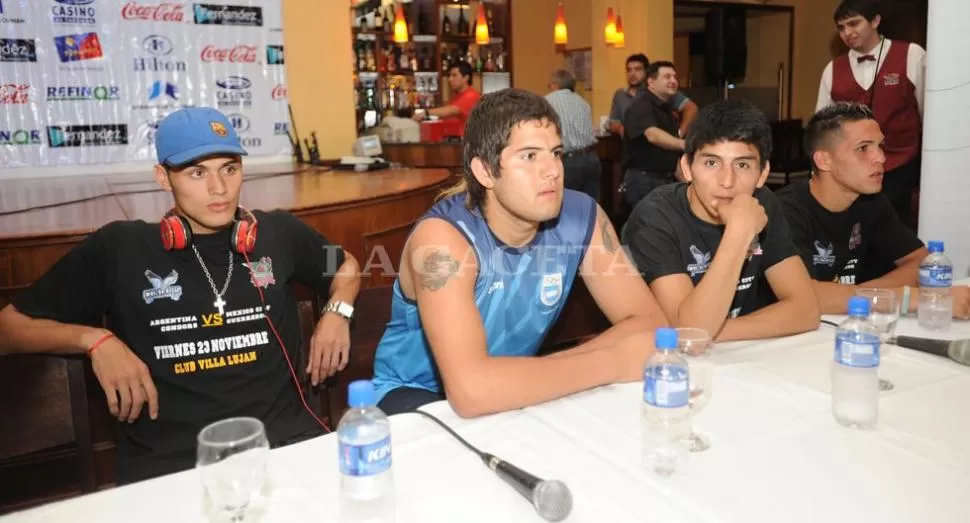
238, 54
14, 93
279, 92
164, 12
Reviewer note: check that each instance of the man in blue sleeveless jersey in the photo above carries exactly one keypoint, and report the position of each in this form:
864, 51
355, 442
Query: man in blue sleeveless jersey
486, 272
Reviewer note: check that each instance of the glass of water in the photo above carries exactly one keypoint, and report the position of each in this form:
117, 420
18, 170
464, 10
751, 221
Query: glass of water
695, 345
231, 458
883, 313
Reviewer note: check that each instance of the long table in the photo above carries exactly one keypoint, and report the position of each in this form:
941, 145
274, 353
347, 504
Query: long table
777, 454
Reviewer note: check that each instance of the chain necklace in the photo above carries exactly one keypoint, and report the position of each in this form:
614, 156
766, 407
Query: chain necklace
219, 303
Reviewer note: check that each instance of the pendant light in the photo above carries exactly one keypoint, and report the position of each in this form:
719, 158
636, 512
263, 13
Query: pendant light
400, 26
481, 26
560, 35
609, 32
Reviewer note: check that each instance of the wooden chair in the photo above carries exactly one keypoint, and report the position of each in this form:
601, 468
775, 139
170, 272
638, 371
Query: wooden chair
383, 250
788, 154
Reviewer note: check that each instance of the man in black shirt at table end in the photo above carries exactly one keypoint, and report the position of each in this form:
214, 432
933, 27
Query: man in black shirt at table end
713, 250
651, 142
846, 230
175, 315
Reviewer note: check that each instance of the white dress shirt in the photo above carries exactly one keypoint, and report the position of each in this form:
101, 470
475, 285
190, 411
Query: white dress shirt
865, 72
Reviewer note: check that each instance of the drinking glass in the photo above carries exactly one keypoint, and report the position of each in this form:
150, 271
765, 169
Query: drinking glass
695, 345
231, 458
883, 313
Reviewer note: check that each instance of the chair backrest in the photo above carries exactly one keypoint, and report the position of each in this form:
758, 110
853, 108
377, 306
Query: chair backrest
788, 147
382, 252
372, 312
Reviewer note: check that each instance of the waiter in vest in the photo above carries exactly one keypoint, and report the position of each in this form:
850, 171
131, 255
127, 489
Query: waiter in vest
887, 75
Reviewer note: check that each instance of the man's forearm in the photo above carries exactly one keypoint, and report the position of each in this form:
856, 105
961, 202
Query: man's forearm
508, 383
444, 111
778, 319
346, 282
663, 139
610, 337
20, 334
833, 298
708, 304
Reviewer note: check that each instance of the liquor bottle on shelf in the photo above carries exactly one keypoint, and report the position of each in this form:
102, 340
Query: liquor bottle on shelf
424, 58
445, 61
423, 21
413, 57
404, 63
390, 60
371, 62
446, 25
491, 22
462, 23
489, 62
379, 19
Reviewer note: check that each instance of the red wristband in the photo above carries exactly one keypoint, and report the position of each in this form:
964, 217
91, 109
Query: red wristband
101, 340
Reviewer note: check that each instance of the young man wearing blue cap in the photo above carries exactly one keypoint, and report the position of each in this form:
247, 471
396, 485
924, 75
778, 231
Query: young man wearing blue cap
191, 321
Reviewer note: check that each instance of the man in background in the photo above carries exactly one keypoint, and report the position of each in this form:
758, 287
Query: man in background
582, 166
651, 145
462, 101
636, 74
887, 76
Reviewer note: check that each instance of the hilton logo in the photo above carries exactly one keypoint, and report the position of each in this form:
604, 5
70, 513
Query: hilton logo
159, 47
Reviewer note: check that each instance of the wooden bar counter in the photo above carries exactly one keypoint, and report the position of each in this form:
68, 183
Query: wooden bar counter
425, 154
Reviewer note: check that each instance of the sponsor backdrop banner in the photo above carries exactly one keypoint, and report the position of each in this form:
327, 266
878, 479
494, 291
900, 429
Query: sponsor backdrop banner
87, 81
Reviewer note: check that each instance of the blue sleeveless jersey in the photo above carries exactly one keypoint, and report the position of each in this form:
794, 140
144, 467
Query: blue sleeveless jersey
519, 292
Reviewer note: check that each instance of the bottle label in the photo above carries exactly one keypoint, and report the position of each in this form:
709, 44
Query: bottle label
935, 277
858, 353
365, 460
666, 386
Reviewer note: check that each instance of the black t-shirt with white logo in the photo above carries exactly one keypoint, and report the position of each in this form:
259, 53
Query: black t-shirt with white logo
665, 237
852, 246
207, 362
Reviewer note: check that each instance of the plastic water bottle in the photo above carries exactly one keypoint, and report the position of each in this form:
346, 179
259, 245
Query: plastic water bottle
935, 309
855, 379
666, 412
364, 442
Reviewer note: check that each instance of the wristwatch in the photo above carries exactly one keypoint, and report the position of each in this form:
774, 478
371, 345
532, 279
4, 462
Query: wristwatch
340, 308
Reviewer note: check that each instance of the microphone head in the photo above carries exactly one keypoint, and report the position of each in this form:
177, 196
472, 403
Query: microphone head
552, 500
959, 351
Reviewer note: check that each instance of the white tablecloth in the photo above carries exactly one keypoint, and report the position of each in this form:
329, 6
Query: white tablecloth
777, 454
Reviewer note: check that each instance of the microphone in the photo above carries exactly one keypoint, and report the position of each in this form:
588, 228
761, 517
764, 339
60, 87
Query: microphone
551, 499
956, 350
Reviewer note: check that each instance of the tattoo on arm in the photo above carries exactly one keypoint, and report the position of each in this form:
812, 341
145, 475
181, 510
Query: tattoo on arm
437, 268
606, 229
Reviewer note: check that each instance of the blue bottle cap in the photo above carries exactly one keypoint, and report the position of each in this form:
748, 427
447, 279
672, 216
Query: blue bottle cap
361, 394
859, 306
665, 338
935, 246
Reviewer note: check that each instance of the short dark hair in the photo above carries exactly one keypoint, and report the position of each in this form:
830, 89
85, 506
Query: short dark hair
828, 121
488, 130
654, 69
639, 57
729, 121
867, 9
464, 68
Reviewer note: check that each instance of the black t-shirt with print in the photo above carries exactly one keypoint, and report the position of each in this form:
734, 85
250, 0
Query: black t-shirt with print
665, 237
205, 365
852, 246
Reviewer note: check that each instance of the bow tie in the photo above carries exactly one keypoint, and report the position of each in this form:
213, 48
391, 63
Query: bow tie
866, 58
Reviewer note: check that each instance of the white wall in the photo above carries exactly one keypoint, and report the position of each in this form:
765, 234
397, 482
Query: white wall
945, 187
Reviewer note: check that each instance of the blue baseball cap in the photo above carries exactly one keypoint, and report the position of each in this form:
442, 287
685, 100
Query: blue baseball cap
193, 132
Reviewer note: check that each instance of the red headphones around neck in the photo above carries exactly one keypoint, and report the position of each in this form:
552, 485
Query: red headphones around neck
177, 233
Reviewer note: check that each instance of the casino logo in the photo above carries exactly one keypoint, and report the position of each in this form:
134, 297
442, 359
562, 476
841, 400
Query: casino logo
73, 12
20, 137
18, 50
210, 14
164, 12
238, 54
159, 48
234, 92
279, 92
14, 94
6, 18
77, 93
87, 135
274, 55
76, 47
